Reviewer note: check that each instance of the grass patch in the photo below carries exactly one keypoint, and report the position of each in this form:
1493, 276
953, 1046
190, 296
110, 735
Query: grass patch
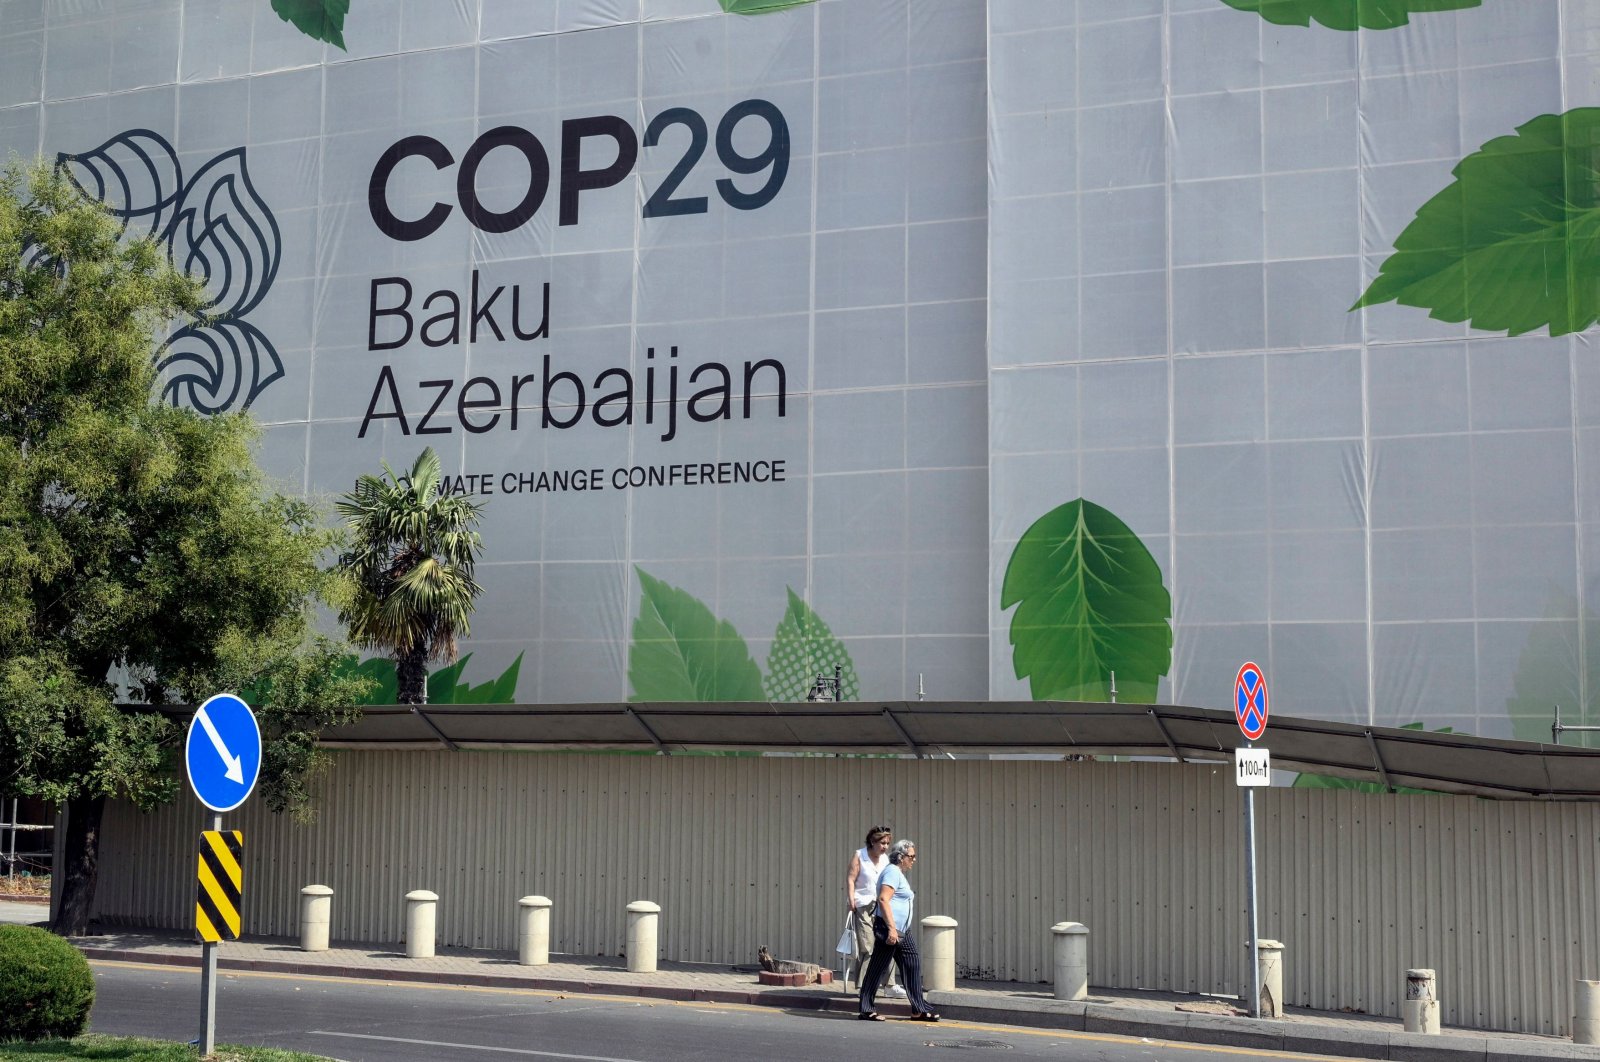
133, 1049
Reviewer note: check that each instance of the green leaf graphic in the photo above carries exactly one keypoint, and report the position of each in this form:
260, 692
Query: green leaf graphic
681, 652
382, 672
759, 7
1346, 14
802, 648
442, 683
502, 690
322, 20
1089, 602
1513, 244
444, 686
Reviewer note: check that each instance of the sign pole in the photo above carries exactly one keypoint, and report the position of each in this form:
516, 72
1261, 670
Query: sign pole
1250, 899
208, 983
1251, 769
222, 757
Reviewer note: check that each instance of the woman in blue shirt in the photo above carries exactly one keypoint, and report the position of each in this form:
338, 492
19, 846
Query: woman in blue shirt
892, 940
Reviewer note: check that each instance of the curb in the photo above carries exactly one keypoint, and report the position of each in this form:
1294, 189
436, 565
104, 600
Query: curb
1221, 1031
1216, 1030
795, 1000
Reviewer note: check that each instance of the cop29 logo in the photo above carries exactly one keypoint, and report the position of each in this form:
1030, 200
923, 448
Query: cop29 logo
214, 226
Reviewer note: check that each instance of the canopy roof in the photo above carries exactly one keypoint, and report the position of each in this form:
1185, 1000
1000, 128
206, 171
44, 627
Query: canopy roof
1391, 757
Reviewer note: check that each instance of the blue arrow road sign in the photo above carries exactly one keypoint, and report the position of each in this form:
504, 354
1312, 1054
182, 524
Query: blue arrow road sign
223, 753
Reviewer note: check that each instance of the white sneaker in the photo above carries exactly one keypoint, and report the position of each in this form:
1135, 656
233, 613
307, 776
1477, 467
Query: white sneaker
896, 990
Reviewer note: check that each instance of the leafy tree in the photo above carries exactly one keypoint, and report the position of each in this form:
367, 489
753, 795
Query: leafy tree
141, 555
410, 561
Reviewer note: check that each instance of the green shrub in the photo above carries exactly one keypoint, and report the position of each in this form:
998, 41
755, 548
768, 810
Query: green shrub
45, 983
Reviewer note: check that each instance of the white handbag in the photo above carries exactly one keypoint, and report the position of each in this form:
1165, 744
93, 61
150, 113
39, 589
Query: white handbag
847, 939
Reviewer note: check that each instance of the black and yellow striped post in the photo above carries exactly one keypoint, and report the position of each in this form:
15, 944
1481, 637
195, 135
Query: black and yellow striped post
221, 885
216, 914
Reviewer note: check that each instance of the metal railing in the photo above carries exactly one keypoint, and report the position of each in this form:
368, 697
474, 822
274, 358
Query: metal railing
1557, 728
12, 860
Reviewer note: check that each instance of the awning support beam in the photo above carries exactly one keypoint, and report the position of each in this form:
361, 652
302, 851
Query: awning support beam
651, 734
904, 734
1377, 759
1167, 737
416, 710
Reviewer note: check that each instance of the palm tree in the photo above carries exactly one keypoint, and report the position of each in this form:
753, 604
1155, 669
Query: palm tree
411, 556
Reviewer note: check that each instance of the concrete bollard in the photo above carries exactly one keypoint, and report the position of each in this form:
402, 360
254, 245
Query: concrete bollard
1586, 1012
938, 948
1420, 1010
533, 931
316, 905
644, 919
1269, 954
420, 916
1072, 960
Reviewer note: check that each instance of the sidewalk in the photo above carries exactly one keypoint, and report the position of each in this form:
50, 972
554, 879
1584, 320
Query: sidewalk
1154, 1015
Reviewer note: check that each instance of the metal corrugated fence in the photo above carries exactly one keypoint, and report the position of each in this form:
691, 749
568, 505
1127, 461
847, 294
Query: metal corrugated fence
1499, 897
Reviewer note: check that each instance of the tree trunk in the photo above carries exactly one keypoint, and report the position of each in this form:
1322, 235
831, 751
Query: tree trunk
411, 675
80, 867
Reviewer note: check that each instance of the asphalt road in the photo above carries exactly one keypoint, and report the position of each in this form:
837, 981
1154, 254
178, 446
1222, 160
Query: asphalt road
371, 1020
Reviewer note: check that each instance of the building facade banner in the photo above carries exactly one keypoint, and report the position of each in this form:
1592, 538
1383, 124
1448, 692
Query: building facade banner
1290, 302
688, 293
982, 349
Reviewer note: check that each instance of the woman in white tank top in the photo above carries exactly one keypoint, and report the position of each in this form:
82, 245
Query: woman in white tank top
861, 890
